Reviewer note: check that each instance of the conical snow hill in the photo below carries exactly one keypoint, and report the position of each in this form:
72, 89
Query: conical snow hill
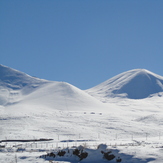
61, 96
18, 87
133, 84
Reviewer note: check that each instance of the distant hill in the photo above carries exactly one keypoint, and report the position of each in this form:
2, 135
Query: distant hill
133, 84
16, 86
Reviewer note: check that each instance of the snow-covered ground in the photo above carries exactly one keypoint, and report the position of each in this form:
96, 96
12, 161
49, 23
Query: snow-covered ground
129, 151
32, 108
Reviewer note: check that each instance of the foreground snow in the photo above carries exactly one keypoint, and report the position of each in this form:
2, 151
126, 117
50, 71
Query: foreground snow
127, 151
133, 128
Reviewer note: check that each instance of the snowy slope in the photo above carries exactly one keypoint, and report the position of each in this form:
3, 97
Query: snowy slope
28, 107
62, 96
133, 84
59, 110
14, 84
16, 80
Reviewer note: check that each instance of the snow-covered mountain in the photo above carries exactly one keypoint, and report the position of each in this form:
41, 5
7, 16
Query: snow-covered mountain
38, 108
16, 86
133, 84
16, 80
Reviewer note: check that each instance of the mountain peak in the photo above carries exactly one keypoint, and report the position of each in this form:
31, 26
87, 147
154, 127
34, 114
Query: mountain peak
133, 84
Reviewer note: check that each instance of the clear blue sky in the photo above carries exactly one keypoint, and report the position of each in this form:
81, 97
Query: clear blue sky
82, 42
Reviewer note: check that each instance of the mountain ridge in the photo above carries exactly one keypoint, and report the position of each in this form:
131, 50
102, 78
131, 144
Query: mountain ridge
132, 84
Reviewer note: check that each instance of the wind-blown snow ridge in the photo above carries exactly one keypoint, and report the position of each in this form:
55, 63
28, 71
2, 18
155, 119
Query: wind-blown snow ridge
133, 84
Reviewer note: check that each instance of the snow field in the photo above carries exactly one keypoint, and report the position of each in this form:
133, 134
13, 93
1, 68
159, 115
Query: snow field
32, 108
